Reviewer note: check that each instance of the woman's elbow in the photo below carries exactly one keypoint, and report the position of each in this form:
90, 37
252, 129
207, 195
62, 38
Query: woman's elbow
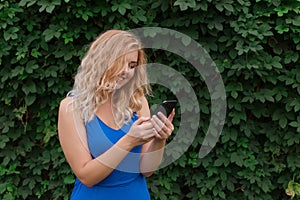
86, 182
147, 174
85, 179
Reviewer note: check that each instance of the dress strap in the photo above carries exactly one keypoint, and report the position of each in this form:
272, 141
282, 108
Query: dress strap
71, 94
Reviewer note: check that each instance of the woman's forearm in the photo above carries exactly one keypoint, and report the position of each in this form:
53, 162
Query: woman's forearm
151, 158
99, 168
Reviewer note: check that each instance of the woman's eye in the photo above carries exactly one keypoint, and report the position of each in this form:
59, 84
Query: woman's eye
132, 65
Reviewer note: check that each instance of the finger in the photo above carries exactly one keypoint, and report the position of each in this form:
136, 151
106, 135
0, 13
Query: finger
157, 123
171, 116
166, 121
161, 116
162, 132
142, 120
155, 132
170, 126
157, 135
147, 125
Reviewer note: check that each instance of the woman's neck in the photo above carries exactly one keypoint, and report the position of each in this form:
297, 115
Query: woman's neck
105, 114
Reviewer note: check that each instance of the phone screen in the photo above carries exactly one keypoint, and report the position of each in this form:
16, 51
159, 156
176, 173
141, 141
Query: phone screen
166, 107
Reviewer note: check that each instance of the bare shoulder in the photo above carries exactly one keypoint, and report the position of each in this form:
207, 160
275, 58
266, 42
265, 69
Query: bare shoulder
65, 114
69, 123
65, 105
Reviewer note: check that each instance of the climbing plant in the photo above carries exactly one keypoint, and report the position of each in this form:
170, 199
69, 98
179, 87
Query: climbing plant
254, 44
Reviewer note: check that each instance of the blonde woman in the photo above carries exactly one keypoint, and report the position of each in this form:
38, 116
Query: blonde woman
105, 129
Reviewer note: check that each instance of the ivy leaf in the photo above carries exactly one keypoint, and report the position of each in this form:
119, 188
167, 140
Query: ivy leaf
29, 99
11, 33
281, 10
218, 162
35, 53
276, 62
228, 7
296, 21
283, 122
28, 2
238, 159
296, 104
29, 87
296, 124
69, 179
122, 10
3, 140
185, 4
230, 186
281, 29
50, 33
50, 8
186, 40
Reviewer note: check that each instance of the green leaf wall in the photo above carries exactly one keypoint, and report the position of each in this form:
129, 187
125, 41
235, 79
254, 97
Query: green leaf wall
255, 45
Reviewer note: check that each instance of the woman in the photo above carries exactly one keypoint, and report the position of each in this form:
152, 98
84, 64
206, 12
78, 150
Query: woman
104, 125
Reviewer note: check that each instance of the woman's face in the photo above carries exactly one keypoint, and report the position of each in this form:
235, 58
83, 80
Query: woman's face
131, 61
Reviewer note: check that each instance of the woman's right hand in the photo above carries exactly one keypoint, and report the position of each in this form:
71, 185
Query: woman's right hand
141, 132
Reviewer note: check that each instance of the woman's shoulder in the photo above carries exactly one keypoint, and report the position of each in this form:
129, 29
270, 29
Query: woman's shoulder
68, 99
65, 104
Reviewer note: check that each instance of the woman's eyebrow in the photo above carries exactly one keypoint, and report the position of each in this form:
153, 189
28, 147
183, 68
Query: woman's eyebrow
133, 62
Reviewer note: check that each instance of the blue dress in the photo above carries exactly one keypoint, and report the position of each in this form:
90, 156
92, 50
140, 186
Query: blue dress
125, 182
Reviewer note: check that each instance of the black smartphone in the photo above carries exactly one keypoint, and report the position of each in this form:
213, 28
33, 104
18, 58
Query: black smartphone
166, 107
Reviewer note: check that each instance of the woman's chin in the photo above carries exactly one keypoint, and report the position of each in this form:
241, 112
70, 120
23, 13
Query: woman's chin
119, 85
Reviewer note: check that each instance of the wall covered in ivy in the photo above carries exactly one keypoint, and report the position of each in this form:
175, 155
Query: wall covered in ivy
254, 44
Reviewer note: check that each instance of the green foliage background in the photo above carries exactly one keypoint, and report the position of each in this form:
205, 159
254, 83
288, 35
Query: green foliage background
255, 45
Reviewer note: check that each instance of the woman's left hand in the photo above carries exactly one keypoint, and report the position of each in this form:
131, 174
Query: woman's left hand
163, 126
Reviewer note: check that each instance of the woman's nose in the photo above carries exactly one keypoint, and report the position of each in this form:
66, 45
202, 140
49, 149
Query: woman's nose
124, 71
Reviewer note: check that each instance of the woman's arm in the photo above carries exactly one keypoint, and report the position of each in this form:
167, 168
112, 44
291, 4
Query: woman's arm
152, 151
72, 137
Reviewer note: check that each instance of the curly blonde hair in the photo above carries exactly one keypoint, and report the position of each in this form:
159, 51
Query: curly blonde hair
95, 81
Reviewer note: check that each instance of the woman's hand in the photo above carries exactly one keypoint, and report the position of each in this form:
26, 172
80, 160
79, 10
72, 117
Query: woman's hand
141, 132
163, 126
152, 152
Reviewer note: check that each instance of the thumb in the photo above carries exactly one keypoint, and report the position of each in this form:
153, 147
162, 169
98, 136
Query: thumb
142, 120
171, 116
